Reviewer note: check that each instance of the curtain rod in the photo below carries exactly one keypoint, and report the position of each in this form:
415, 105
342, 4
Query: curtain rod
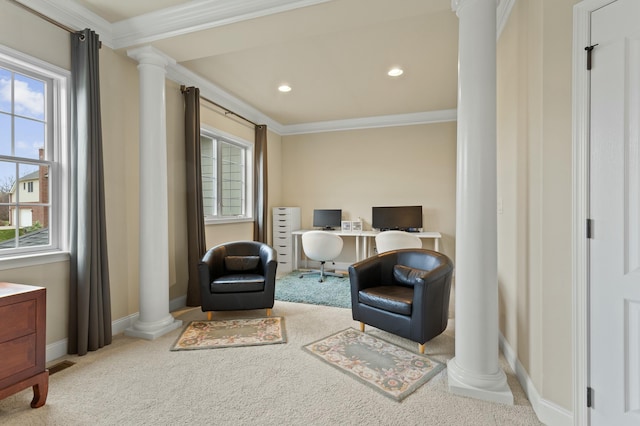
46, 18
226, 111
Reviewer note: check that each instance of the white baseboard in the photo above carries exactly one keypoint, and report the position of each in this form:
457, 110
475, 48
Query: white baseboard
547, 412
58, 349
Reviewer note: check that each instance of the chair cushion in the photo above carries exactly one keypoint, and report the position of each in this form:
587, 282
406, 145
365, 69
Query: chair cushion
408, 276
241, 263
238, 283
396, 299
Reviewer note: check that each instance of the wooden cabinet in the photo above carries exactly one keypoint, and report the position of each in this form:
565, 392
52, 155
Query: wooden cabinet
22, 341
285, 220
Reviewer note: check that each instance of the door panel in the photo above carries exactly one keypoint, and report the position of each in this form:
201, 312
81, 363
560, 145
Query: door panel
614, 251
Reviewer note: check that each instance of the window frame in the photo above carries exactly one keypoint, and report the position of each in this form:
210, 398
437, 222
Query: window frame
57, 158
248, 187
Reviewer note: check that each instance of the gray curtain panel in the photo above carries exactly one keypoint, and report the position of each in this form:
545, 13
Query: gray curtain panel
89, 290
260, 185
195, 211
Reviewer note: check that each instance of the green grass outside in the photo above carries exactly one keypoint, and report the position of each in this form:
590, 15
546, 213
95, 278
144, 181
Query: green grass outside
7, 234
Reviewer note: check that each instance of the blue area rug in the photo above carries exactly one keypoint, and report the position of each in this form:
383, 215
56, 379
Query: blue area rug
333, 291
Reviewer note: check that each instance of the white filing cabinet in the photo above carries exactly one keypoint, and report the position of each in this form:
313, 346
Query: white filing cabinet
285, 220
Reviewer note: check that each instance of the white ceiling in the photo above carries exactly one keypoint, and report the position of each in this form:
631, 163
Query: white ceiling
334, 53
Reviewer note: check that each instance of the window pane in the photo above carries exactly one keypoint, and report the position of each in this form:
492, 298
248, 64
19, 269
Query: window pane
32, 236
28, 175
5, 134
7, 182
5, 90
28, 97
224, 175
208, 170
29, 138
232, 179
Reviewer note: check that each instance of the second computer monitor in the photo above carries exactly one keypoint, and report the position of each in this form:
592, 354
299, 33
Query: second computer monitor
404, 218
327, 218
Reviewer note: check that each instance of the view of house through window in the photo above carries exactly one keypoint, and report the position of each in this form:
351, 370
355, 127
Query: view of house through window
226, 180
25, 128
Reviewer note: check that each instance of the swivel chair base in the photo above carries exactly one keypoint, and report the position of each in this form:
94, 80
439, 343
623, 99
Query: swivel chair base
322, 273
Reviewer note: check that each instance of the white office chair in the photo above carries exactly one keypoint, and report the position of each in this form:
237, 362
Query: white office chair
321, 246
394, 240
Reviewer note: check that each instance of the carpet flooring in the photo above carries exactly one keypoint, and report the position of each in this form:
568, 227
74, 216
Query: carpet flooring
140, 382
334, 291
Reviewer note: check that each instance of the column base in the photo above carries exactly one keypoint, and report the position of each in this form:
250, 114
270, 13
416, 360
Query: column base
151, 331
487, 387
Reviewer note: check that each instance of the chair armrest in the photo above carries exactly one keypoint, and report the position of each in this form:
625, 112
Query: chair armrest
365, 274
213, 263
269, 259
431, 296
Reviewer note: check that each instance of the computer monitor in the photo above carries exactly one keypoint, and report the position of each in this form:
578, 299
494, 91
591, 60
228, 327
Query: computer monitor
403, 218
327, 219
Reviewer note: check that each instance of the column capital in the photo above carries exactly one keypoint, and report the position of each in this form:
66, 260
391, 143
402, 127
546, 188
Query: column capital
457, 5
150, 55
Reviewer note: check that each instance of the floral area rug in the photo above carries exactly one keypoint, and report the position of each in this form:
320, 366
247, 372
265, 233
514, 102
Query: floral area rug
393, 371
231, 333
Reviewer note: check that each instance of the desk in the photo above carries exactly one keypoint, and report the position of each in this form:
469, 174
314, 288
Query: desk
365, 236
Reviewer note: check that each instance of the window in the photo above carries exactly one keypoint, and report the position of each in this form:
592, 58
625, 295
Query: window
227, 183
32, 140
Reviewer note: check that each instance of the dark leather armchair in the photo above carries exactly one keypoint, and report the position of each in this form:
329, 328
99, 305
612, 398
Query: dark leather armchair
404, 292
238, 275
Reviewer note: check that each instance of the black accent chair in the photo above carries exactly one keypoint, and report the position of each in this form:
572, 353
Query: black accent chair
404, 292
238, 275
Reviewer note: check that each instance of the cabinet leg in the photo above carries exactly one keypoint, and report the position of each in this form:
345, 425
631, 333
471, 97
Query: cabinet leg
40, 389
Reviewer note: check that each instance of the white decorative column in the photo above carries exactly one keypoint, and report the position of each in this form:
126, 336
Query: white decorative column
475, 371
155, 319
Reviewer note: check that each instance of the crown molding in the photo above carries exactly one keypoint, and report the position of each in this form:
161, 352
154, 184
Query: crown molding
73, 16
196, 16
396, 120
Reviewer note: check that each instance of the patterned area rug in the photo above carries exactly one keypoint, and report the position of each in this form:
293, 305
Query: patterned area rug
334, 291
393, 371
231, 333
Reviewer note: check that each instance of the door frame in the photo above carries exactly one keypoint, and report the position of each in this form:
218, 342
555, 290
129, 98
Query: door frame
580, 206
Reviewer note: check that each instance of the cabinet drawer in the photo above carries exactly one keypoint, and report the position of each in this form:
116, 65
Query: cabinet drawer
23, 320
17, 355
282, 226
284, 255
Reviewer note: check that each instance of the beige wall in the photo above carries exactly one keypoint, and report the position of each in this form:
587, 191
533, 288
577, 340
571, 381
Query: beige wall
119, 108
356, 170
534, 184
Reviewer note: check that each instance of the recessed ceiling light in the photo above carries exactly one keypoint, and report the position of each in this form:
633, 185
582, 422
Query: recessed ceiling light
284, 88
395, 72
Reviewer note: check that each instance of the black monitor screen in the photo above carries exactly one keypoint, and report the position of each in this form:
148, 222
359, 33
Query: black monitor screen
404, 218
327, 219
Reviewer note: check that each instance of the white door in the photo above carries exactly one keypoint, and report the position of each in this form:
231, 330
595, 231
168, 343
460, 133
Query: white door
614, 250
